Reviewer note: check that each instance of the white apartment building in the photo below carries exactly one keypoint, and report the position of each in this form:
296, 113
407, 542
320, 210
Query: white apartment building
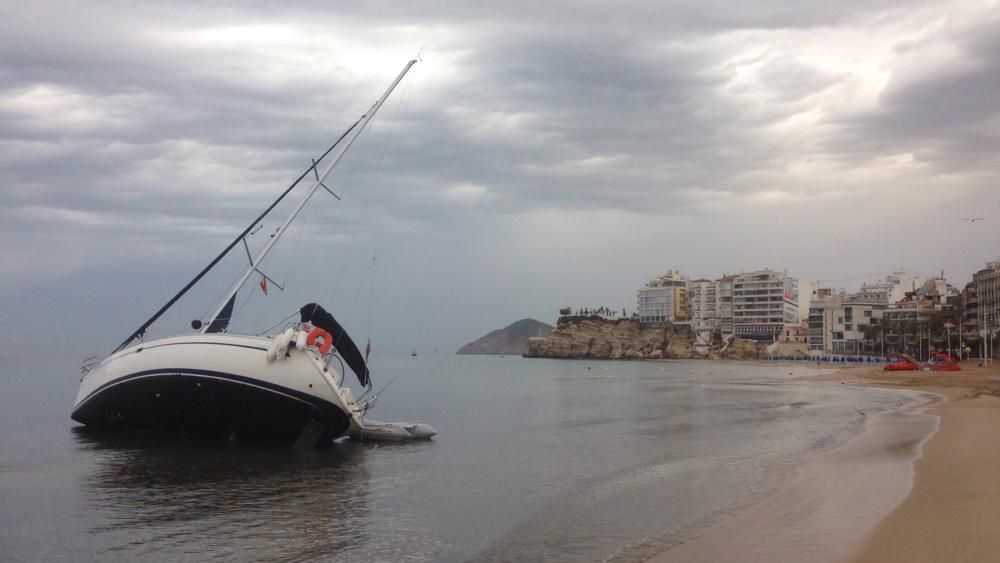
663, 300
987, 283
763, 302
724, 293
837, 321
703, 299
895, 287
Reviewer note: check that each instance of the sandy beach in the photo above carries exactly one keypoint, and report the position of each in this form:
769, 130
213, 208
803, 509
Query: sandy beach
953, 511
918, 484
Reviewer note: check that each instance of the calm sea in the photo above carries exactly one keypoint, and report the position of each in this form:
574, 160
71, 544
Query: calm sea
535, 460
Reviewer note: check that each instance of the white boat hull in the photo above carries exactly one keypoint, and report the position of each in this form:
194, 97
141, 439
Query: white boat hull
221, 386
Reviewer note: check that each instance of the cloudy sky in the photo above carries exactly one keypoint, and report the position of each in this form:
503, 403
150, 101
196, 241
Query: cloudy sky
541, 155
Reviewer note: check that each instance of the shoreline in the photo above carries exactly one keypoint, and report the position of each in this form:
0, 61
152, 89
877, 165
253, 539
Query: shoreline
913, 472
953, 509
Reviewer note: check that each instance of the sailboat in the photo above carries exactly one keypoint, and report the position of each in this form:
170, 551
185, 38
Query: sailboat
287, 387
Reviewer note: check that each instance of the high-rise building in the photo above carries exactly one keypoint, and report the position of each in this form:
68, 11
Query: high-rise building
703, 300
663, 300
724, 292
763, 302
987, 283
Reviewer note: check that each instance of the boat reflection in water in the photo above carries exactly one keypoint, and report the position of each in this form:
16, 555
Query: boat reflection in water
174, 498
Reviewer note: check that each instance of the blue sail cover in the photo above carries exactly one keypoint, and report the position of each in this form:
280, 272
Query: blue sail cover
221, 322
319, 317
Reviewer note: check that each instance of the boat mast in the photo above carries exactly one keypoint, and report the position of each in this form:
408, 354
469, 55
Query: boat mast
142, 329
365, 119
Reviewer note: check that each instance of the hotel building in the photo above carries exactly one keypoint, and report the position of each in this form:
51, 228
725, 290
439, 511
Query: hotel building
663, 300
763, 303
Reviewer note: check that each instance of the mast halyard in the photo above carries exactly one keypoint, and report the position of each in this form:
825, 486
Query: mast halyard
141, 331
365, 119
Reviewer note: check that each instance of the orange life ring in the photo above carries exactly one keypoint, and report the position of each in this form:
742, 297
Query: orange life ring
320, 333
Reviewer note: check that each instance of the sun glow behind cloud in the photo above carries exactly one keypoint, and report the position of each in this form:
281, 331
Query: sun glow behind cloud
467, 194
283, 54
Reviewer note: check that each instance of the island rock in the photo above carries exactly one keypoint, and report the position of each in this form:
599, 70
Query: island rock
512, 340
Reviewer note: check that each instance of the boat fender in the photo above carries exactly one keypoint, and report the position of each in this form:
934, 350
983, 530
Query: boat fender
320, 333
283, 340
272, 351
300, 339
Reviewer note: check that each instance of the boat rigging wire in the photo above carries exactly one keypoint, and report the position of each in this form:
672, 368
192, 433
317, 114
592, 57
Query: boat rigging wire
275, 325
142, 329
371, 301
368, 403
265, 252
367, 197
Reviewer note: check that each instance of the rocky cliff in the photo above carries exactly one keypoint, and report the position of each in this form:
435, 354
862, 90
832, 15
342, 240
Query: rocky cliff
512, 340
599, 338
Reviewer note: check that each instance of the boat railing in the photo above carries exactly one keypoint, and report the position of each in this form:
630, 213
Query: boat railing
327, 359
332, 354
88, 365
295, 325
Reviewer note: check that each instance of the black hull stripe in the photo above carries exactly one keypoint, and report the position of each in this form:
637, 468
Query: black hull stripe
321, 404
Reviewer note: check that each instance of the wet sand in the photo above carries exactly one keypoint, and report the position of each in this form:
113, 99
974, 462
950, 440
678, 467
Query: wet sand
889, 494
953, 511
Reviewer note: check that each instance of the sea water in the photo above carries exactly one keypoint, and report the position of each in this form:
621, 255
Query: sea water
535, 460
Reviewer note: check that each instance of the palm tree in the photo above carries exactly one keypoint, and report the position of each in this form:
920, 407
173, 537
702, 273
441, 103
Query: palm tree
872, 332
891, 333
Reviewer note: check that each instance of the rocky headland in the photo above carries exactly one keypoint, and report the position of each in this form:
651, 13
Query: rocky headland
596, 337
511, 340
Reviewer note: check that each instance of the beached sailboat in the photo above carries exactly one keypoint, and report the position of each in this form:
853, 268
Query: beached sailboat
288, 387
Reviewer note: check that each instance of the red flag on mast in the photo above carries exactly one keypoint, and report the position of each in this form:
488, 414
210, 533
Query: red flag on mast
263, 285
368, 349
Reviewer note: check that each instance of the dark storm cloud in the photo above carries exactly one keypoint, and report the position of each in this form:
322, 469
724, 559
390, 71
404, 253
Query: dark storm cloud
147, 133
621, 97
640, 16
